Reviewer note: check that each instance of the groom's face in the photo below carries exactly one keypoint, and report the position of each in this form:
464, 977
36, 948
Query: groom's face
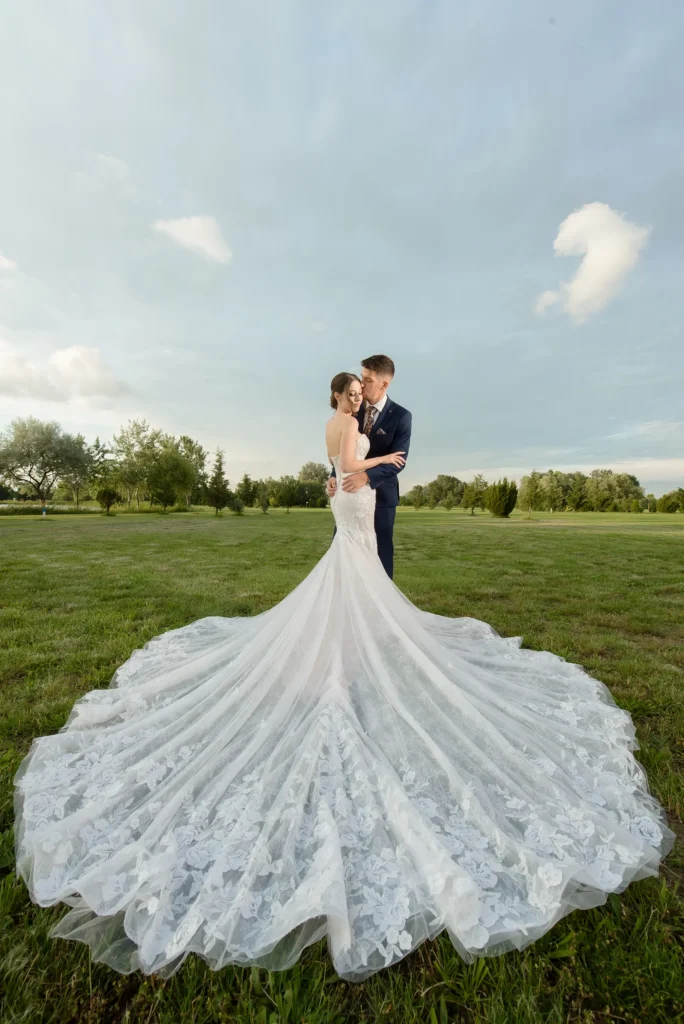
374, 386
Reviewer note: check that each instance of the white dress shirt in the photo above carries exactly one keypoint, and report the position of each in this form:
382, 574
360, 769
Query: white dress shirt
379, 406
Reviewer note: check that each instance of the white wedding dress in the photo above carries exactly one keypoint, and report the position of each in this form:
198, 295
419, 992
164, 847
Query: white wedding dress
343, 765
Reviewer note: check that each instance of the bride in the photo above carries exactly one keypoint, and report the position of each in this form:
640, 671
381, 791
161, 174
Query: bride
342, 765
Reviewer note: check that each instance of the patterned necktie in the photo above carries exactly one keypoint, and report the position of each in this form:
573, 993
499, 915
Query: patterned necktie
368, 422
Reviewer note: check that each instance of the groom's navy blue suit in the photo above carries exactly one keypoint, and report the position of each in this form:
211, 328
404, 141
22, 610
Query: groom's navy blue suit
391, 432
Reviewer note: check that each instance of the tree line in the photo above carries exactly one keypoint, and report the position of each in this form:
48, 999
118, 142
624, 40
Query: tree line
141, 465
447, 492
602, 490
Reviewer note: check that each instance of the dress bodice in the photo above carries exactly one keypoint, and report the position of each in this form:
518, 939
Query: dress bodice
362, 446
354, 512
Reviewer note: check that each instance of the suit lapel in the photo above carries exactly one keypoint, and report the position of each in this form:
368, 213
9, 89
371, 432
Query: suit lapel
381, 418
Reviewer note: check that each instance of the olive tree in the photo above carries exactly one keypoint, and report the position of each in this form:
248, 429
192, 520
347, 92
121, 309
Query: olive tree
35, 455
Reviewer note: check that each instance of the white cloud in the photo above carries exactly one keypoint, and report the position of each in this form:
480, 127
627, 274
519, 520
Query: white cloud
545, 301
6, 263
610, 247
199, 234
73, 372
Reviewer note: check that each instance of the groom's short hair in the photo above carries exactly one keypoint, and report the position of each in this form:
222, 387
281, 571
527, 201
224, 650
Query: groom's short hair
381, 365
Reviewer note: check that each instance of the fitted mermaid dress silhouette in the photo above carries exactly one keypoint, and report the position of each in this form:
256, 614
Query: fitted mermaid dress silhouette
342, 765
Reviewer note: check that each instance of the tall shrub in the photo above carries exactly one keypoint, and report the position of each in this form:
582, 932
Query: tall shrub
501, 498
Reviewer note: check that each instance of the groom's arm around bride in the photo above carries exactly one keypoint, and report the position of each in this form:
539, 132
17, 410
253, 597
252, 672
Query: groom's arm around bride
392, 433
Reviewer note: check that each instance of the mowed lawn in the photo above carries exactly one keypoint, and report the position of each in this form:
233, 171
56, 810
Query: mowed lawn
78, 594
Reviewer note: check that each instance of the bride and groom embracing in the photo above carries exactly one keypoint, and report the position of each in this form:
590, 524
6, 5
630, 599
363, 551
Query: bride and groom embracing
387, 426
343, 765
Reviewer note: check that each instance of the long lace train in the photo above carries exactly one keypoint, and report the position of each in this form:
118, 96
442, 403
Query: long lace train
344, 765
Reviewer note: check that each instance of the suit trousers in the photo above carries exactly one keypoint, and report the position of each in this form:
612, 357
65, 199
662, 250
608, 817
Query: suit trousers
384, 529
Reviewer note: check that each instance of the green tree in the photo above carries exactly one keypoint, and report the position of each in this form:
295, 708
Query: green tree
444, 486
627, 485
600, 490
218, 492
501, 498
418, 497
636, 505
79, 466
103, 464
313, 473
106, 497
469, 499
552, 491
531, 495
436, 492
480, 485
652, 504
288, 493
263, 497
474, 493
577, 496
266, 492
246, 490
605, 489
197, 457
312, 494
448, 502
668, 502
170, 477
35, 455
135, 449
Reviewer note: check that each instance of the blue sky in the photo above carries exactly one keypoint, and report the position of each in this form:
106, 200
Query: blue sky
209, 209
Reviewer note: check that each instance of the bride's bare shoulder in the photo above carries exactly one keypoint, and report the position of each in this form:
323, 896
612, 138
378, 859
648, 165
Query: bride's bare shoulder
351, 426
333, 433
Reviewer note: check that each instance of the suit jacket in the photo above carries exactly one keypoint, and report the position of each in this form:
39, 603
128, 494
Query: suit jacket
391, 433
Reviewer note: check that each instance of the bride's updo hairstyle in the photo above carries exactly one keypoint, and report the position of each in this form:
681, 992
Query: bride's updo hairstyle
339, 385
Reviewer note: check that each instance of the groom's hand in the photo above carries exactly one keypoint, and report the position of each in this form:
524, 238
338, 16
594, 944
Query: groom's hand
331, 486
354, 483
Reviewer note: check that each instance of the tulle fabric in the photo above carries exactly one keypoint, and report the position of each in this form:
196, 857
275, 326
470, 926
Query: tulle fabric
342, 765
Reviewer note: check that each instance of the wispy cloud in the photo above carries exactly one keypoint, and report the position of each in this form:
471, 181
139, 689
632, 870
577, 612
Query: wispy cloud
73, 372
113, 166
199, 234
106, 176
610, 247
6, 263
659, 430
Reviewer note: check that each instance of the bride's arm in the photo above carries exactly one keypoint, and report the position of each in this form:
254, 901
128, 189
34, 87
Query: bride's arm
350, 464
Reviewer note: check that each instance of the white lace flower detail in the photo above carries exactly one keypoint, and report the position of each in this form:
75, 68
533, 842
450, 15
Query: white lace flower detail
648, 829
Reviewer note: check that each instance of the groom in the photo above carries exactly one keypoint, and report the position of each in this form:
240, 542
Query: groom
389, 427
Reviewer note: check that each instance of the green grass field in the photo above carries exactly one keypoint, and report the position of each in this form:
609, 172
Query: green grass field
78, 594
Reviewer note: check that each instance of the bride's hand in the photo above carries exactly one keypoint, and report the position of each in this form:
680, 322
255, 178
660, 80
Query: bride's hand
395, 459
